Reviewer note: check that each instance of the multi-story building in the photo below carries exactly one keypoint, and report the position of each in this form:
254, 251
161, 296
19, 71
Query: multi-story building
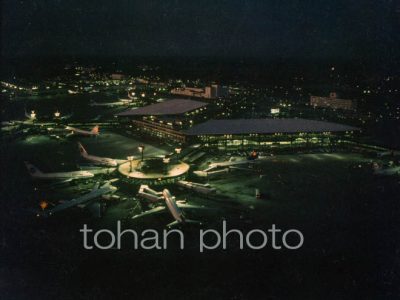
209, 92
166, 120
333, 102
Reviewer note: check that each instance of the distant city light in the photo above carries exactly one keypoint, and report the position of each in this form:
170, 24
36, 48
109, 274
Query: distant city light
43, 205
275, 111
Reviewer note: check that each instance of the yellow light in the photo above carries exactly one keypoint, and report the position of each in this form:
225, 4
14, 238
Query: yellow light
43, 205
33, 114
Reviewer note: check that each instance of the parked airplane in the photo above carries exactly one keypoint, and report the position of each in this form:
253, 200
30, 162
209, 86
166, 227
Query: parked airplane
76, 131
63, 176
220, 168
147, 193
97, 159
388, 153
82, 201
389, 171
96, 170
230, 162
174, 207
109, 104
8, 123
211, 174
198, 187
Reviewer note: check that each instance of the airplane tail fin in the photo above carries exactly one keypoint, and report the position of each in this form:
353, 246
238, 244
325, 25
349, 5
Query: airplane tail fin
32, 169
95, 129
82, 150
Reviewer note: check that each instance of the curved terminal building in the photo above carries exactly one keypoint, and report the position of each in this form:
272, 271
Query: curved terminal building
269, 133
183, 121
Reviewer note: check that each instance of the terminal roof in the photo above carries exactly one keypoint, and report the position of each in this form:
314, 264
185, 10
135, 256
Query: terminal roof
169, 107
266, 126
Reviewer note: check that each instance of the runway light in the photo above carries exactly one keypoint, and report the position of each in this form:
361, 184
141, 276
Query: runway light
43, 205
57, 114
141, 150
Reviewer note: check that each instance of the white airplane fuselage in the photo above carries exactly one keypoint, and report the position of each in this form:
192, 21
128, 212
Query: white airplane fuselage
78, 131
173, 207
105, 189
230, 163
198, 187
37, 174
388, 171
63, 175
211, 174
108, 104
149, 194
101, 160
96, 159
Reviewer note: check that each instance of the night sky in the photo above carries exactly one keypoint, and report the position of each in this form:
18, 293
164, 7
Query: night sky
292, 29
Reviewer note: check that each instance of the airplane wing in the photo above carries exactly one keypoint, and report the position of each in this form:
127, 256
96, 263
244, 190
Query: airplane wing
187, 221
149, 212
121, 161
190, 206
96, 186
57, 183
242, 169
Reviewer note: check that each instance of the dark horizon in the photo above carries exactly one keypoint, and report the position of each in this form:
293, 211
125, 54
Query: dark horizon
269, 30
206, 67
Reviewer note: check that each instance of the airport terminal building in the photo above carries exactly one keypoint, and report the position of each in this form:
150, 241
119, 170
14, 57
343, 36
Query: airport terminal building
166, 120
269, 133
184, 121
